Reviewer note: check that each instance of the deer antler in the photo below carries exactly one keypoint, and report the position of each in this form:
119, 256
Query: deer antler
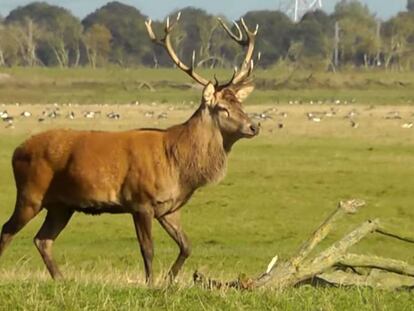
249, 42
238, 75
166, 43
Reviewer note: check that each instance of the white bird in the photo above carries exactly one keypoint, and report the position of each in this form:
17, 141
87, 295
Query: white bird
264, 116
10, 125
149, 114
270, 110
4, 114
352, 114
407, 125
53, 114
315, 117
162, 115
89, 114
113, 115
260, 116
26, 114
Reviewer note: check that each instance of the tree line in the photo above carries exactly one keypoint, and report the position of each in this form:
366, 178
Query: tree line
40, 34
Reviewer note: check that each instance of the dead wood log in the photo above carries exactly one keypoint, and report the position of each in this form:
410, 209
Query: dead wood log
344, 207
374, 278
147, 85
375, 262
326, 268
394, 235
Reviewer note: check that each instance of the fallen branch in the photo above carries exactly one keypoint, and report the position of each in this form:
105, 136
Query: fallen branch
394, 235
375, 278
147, 85
375, 262
344, 207
326, 267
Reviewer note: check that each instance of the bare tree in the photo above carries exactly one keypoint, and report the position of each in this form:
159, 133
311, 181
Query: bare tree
26, 35
97, 41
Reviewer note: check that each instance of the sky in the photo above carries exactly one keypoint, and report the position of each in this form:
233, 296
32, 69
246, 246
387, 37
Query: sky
233, 9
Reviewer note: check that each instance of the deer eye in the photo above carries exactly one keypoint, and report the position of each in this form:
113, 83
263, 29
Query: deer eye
223, 110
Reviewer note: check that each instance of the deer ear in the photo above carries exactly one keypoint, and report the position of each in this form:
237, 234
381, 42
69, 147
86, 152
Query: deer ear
208, 94
243, 91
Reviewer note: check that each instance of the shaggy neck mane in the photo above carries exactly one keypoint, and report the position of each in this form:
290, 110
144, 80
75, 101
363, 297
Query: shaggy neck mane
197, 149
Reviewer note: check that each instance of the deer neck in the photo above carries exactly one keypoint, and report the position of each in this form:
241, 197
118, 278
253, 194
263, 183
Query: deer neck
198, 150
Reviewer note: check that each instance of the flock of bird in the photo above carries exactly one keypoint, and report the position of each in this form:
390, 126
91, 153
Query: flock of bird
319, 116
52, 114
55, 112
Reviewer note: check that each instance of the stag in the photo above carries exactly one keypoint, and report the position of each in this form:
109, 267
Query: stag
148, 173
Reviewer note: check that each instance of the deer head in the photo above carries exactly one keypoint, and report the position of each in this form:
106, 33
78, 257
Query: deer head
222, 102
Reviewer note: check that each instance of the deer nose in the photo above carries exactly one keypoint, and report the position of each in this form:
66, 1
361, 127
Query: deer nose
255, 128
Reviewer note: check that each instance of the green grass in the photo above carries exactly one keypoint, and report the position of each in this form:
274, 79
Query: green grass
118, 86
73, 296
279, 187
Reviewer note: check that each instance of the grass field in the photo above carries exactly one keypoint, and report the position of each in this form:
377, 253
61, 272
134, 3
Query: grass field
277, 85
278, 188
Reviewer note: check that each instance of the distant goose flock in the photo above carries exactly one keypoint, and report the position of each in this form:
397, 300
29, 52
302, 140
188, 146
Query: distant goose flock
272, 115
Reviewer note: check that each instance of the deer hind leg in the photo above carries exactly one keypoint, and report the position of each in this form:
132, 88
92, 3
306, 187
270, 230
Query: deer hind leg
143, 228
25, 210
55, 221
172, 224
32, 180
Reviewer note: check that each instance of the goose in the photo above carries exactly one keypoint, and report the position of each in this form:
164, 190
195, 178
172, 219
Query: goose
407, 125
393, 115
113, 115
8, 119
162, 115
26, 114
314, 116
4, 114
354, 124
89, 114
149, 114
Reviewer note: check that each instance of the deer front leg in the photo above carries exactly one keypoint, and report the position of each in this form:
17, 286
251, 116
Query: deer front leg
55, 221
143, 228
172, 224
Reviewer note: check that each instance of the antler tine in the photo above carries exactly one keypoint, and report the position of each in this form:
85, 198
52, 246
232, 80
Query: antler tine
235, 37
150, 31
230, 82
193, 60
246, 29
166, 43
170, 26
216, 81
247, 65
